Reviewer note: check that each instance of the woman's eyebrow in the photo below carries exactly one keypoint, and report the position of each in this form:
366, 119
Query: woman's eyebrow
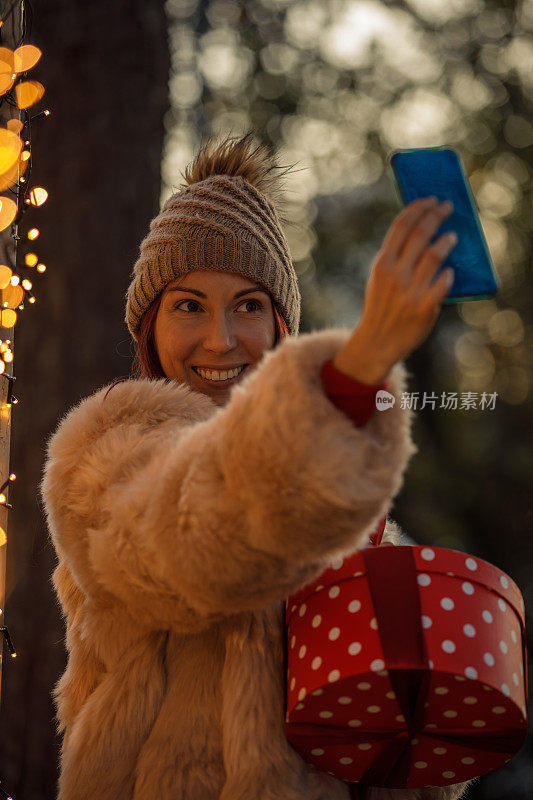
201, 294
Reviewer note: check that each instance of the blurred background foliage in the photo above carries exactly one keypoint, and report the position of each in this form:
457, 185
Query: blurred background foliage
135, 86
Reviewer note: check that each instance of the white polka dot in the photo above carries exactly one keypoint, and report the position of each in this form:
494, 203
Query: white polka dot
427, 622
447, 603
423, 579
471, 564
325, 714
400, 718
317, 619
420, 764
479, 723
377, 665
468, 760
334, 592
302, 651
427, 554
516, 680
318, 692
301, 694
345, 760
355, 648
317, 752
448, 774
430, 725
293, 609
431, 664
498, 710
469, 631
450, 714
440, 751
505, 689
468, 588
391, 695
334, 634
293, 684
448, 646
364, 746
503, 648
441, 690
487, 616
374, 624
344, 701
334, 675
488, 658
373, 709
357, 574
302, 610
469, 700
299, 706
318, 588
293, 642
471, 673
504, 582
354, 606
364, 686
513, 636
316, 662
354, 723
501, 605
383, 673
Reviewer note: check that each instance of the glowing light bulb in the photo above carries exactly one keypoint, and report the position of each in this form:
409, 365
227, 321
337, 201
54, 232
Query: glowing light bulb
33, 233
47, 112
30, 259
2, 366
25, 155
26, 284
12, 477
31, 299
3, 537
2, 498
38, 196
3, 347
14, 280
8, 357
41, 267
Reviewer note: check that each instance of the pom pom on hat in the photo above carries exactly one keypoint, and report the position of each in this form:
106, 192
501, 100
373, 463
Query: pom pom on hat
224, 219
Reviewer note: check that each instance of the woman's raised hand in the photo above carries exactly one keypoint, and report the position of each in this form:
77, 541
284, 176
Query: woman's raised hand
402, 301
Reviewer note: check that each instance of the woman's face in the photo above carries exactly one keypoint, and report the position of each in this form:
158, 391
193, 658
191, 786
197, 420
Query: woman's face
202, 323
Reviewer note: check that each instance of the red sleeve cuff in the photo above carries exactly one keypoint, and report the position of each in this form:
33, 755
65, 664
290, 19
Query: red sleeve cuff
357, 400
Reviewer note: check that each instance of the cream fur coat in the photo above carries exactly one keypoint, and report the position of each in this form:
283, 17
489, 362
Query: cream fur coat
180, 527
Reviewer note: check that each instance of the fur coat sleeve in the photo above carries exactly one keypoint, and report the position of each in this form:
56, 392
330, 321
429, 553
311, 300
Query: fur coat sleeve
185, 512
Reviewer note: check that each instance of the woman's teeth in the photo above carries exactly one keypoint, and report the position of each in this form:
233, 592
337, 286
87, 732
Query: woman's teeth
214, 375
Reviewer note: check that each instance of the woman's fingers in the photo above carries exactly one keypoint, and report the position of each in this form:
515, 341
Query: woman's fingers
403, 225
418, 241
432, 259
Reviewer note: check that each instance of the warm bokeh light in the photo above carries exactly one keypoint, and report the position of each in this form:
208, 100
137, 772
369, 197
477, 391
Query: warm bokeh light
30, 259
8, 212
28, 93
33, 233
13, 175
14, 125
10, 147
26, 284
15, 280
38, 196
41, 267
7, 76
8, 318
25, 57
5, 275
12, 295
3, 537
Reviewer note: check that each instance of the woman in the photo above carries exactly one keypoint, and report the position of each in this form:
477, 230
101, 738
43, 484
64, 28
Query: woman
185, 505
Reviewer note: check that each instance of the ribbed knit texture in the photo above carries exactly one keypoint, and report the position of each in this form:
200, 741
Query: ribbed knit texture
220, 223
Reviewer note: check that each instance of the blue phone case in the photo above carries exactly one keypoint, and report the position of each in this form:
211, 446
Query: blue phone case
438, 171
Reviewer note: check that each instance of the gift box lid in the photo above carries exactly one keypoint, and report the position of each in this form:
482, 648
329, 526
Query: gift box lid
428, 560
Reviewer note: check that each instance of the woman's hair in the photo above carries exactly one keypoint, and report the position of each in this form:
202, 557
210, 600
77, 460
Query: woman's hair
146, 361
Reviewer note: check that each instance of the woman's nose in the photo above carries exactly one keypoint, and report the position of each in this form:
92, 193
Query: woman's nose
220, 334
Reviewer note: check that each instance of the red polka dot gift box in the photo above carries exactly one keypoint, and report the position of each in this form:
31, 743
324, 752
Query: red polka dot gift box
406, 667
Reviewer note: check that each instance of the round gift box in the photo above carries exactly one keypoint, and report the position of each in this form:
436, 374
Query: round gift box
442, 704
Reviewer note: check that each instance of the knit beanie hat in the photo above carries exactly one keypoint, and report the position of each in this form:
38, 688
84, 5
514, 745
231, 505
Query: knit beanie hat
222, 219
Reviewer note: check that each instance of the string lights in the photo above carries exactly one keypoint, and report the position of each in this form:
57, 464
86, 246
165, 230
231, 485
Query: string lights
19, 94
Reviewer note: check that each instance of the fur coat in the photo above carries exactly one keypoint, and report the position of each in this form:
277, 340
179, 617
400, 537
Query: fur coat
180, 527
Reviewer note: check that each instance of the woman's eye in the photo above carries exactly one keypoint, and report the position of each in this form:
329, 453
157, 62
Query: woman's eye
256, 303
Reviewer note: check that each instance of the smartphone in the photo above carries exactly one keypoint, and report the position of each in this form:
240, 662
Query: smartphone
438, 171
